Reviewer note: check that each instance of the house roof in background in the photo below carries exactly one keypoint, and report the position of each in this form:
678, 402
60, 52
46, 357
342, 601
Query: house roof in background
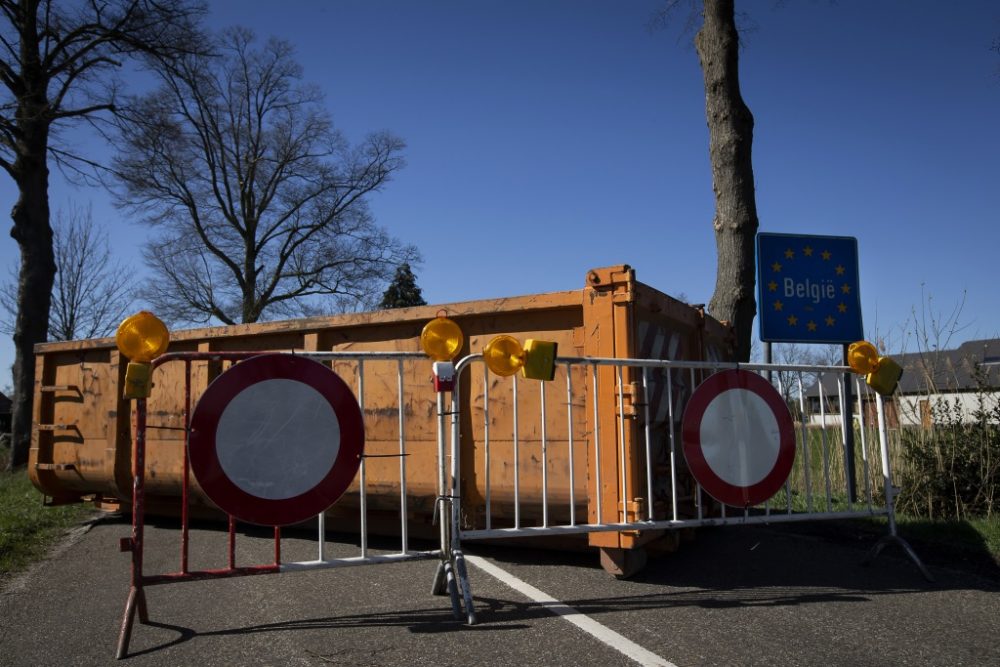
939, 371
5, 404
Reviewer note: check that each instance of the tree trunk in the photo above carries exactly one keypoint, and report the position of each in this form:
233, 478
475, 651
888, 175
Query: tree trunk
34, 290
730, 130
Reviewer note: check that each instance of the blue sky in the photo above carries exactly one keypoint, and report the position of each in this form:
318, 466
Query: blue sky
548, 137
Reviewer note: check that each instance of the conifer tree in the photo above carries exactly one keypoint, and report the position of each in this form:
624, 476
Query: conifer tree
402, 291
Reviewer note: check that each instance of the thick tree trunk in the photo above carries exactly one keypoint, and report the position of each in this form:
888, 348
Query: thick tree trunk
34, 291
730, 130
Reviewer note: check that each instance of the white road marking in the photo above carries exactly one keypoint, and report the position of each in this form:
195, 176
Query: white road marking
600, 632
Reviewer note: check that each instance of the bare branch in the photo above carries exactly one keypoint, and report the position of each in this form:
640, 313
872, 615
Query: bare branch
261, 204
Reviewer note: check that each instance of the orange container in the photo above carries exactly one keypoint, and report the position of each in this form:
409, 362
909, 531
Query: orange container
81, 445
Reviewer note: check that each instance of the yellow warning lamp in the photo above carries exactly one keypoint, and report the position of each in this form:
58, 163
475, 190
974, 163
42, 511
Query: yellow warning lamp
862, 357
441, 339
881, 373
141, 337
504, 356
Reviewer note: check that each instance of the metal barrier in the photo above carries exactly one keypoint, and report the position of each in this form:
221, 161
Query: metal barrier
444, 579
652, 490
600, 440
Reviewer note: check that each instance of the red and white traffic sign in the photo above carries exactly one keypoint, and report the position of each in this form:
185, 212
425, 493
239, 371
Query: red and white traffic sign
276, 439
739, 439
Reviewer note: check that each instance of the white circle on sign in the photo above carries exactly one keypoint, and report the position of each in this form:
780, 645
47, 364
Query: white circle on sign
277, 439
740, 437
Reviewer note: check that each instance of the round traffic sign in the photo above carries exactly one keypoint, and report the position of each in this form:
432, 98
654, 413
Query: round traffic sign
276, 439
739, 439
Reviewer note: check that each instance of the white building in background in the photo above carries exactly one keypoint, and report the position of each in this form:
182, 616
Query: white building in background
937, 384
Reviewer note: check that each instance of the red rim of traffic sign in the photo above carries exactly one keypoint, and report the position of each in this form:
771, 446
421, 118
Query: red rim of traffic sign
702, 397
203, 442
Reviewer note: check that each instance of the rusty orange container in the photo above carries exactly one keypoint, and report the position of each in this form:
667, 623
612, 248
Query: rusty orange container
81, 444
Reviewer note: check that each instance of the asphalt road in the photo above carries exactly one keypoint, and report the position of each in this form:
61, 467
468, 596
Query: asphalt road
733, 596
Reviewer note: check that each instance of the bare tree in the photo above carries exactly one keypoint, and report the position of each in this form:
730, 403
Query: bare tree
730, 132
92, 291
730, 136
260, 202
57, 64
797, 354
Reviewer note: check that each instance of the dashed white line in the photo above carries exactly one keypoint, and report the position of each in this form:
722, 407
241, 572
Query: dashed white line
600, 632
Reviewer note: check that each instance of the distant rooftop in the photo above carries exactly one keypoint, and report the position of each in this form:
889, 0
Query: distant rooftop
940, 370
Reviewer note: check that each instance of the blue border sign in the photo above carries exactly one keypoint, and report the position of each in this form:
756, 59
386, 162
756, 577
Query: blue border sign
808, 289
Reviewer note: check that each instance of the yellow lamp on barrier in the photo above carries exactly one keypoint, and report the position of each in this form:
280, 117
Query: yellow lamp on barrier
862, 357
881, 373
441, 339
141, 337
504, 355
536, 360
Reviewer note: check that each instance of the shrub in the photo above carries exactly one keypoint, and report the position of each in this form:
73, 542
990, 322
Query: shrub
952, 469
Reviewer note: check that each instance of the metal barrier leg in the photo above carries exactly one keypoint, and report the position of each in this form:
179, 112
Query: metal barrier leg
890, 498
136, 598
456, 604
439, 587
463, 579
446, 568
884, 541
136, 595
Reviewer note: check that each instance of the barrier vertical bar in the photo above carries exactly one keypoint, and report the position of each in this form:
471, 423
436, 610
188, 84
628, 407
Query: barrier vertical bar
363, 497
866, 464
623, 494
444, 579
846, 440
805, 445
597, 450
186, 465
781, 390
697, 487
649, 456
545, 459
403, 527
826, 446
673, 443
517, 458
486, 445
572, 468
441, 444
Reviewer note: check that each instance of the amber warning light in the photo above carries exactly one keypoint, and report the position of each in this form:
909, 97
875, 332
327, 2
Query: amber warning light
442, 339
881, 373
536, 360
141, 338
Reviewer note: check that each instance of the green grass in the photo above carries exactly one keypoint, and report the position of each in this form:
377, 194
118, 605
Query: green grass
971, 536
27, 527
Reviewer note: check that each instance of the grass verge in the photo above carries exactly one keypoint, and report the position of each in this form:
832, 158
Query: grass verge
27, 527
